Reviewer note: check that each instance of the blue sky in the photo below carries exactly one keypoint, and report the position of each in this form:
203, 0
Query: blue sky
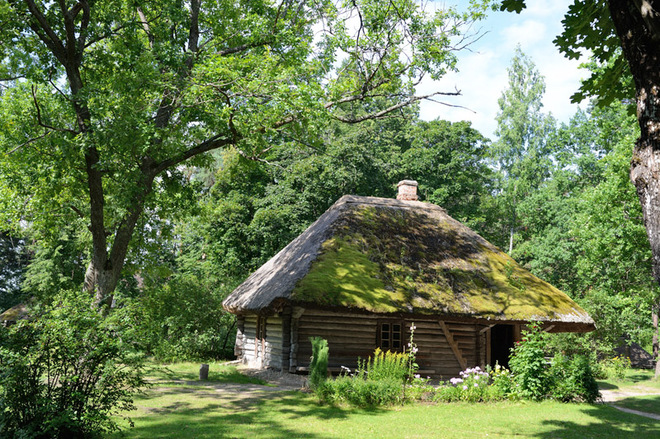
482, 74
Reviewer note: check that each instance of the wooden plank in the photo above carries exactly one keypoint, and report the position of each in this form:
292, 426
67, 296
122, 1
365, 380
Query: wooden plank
488, 347
453, 345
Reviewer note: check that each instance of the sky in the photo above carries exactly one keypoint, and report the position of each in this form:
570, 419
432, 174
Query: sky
482, 75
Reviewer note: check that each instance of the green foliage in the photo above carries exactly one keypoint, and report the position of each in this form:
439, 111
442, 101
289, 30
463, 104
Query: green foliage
588, 27
67, 372
253, 210
528, 364
318, 367
183, 319
572, 379
522, 153
471, 386
385, 365
379, 380
113, 102
14, 258
360, 392
502, 385
614, 368
565, 378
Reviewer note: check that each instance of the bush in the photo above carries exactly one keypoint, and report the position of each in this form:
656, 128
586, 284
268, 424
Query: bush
183, 320
528, 364
385, 365
318, 367
473, 385
379, 380
67, 372
572, 379
502, 384
614, 368
360, 392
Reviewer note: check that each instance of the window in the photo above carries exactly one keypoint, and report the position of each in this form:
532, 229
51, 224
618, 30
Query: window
390, 336
260, 336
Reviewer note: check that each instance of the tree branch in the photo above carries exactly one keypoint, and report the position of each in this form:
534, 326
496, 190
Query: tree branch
146, 27
34, 139
385, 112
40, 122
49, 37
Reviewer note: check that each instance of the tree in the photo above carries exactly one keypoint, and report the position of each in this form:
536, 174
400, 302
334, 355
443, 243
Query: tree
13, 261
68, 372
106, 101
521, 151
624, 34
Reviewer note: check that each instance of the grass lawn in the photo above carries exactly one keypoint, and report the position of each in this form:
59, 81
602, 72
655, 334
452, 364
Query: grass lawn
636, 381
188, 372
216, 409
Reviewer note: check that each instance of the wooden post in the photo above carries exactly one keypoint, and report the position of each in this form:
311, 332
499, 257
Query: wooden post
293, 355
286, 338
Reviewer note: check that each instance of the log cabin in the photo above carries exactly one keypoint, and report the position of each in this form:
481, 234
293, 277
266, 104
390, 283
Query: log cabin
369, 268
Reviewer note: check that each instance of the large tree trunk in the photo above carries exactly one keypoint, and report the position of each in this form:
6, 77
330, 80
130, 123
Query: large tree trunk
638, 26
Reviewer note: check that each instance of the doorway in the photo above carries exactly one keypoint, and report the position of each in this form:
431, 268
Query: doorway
501, 342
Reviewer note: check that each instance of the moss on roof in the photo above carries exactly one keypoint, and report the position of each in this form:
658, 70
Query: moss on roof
388, 260
14, 313
391, 256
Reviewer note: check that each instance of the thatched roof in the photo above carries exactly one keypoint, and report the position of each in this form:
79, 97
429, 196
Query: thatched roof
390, 256
14, 314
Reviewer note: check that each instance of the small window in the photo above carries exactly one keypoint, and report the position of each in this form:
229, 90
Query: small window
390, 336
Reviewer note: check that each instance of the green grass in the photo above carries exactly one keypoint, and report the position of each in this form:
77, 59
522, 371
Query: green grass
188, 373
646, 403
227, 406
210, 414
638, 381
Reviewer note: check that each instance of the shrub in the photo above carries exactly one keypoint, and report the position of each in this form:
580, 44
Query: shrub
502, 384
318, 368
66, 372
614, 368
471, 386
172, 326
379, 380
528, 364
572, 379
361, 392
385, 365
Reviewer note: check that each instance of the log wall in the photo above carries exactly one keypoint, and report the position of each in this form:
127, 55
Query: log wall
444, 348
262, 352
355, 335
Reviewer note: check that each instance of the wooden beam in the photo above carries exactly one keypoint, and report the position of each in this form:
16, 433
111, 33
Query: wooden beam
548, 328
453, 345
485, 329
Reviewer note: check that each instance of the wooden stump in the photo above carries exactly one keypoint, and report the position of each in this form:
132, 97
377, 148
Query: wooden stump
204, 372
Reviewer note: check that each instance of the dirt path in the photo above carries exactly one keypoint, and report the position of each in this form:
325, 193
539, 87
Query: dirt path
612, 396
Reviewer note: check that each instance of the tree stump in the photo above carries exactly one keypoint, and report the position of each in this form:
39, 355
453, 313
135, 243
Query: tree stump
204, 372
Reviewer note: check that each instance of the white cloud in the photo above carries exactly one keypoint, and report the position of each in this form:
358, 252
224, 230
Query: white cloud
527, 34
483, 75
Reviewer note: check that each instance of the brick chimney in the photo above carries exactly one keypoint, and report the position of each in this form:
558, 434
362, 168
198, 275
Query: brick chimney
407, 190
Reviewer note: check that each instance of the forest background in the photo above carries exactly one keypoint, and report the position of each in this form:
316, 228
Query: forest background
556, 196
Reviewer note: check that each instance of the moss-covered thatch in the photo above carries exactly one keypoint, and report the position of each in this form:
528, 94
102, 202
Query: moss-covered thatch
390, 256
14, 314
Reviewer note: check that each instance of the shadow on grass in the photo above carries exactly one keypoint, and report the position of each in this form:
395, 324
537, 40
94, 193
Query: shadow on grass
637, 377
164, 375
239, 415
608, 423
643, 403
604, 385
